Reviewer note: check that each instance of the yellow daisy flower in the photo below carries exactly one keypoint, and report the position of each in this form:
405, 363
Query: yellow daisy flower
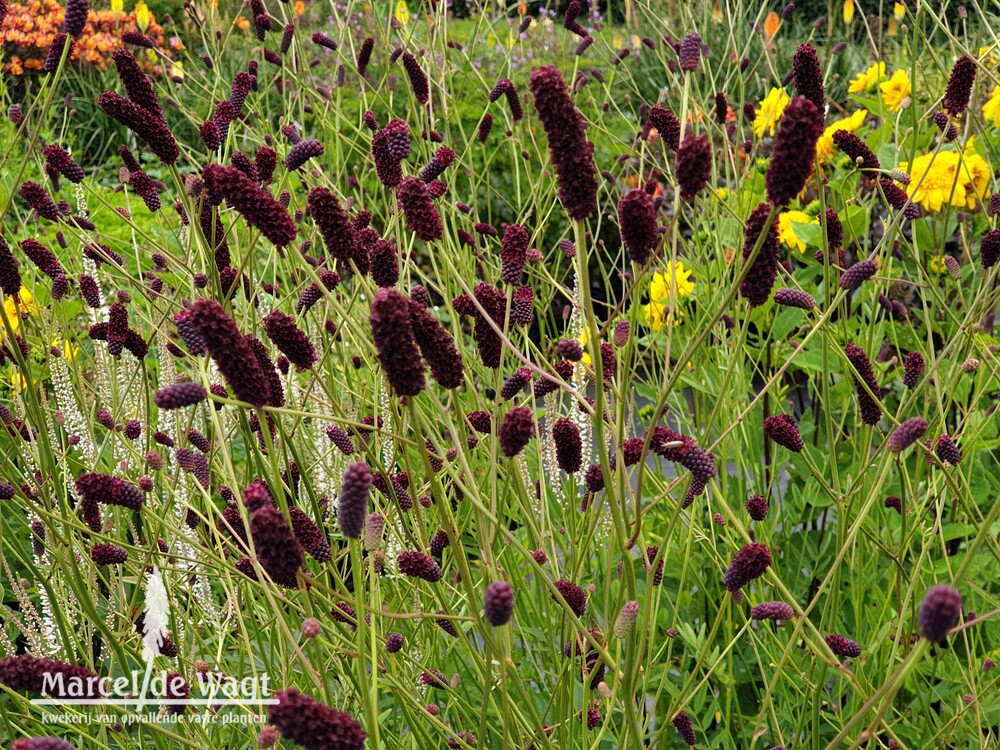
769, 111
991, 110
656, 316
896, 90
848, 11
937, 265
14, 310
867, 81
674, 275
786, 232
951, 178
824, 146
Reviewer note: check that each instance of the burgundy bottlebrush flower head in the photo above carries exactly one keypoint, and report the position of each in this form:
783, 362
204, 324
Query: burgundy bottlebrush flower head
947, 451
340, 439
794, 298
31, 674
107, 490
794, 148
571, 153
569, 19
10, 274
694, 166
959, 91
59, 160
418, 565
179, 395
808, 76
232, 354
485, 126
498, 603
772, 611
842, 646
759, 280
417, 77
637, 224
573, 595
522, 306
683, 725
51, 64
907, 434
871, 412
108, 554
569, 447
443, 158
390, 146
422, 216
41, 743
513, 253
302, 152
516, 430
721, 108
857, 150
365, 55
139, 40
309, 535
989, 248
858, 274
256, 205
75, 18
783, 430
144, 124
334, 224
689, 52
265, 162
290, 340
352, 503
939, 613
913, 367
896, 197
43, 258
138, 86
626, 618
38, 198
748, 565
757, 507
278, 551
666, 124
314, 725
437, 347
393, 336
384, 263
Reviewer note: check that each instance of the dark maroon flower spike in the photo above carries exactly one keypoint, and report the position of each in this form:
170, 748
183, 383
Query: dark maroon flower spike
48, 264
989, 248
858, 274
498, 603
757, 507
352, 504
513, 253
794, 298
569, 447
108, 554
437, 347
418, 565
265, 162
907, 434
302, 152
694, 166
808, 76
75, 18
485, 126
522, 306
842, 646
138, 87
309, 536
569, 19
759, 280
666, 124
963, 75
256, 205
139, 40
637, 224
516, 430
777, 611
10, 274
384, 263
871, 412
143, 123
494, 302
721, 108
573, 595
276, 393
783, 430
913, 366
794, 150
571, 153
443, 158
947, 451
365, 55
683, 725
896, 197
51, 65
390, 146
290, 340
278, 551
748, 565
856, 149
179, 395
38, 198
393, 336
41, 743
334, 224
232, 354
689, 52
418, 79
101, 488
939, 613
58, 159
314, 725
31, 674
422, 216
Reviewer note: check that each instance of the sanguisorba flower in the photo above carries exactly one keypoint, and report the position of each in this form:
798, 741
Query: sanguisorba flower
963, 75
571, 153
769, 112
314, 725
757, 284
637, 223
278, 551
786, 230
290, 340
393, 336
437, 347
867, 81
825, 145
256, 205
422, 217
808, 76
794, 149
896, 90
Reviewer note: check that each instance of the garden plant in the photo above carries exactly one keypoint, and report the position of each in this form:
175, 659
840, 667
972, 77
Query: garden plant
499, 375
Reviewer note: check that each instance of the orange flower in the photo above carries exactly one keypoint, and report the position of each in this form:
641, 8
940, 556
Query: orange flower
771, 24
300, 7
242, 23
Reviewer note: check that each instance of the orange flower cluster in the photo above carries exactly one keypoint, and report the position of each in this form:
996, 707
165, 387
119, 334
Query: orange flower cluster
28, 30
